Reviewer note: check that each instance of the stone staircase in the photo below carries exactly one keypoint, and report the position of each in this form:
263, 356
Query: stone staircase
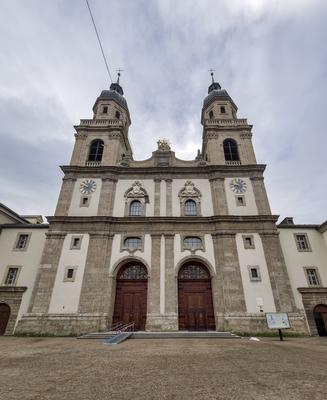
163, 335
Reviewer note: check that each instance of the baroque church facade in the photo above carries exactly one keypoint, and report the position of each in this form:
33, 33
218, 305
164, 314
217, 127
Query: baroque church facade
164, 243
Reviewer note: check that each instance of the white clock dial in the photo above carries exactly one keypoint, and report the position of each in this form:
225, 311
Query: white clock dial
88, 186
238, 185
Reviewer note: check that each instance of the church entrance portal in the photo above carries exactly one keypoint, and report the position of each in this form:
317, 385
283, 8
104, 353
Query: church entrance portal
4, 317
131, 295
320, 316
195, 309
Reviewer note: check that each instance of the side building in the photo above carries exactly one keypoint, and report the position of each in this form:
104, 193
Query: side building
22, 241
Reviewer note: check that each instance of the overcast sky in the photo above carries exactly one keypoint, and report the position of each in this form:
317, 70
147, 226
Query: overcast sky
270, 56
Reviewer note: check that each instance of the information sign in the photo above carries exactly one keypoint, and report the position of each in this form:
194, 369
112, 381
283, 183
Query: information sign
277, 320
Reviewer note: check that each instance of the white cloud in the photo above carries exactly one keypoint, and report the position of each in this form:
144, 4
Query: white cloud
269, 55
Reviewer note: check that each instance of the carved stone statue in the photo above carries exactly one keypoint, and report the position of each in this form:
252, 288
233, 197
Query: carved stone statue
163, 145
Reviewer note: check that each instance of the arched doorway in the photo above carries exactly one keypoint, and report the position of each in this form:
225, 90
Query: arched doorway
131, 295
4, 317
320, 316
195, 308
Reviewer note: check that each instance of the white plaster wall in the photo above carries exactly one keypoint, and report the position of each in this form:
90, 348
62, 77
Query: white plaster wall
208, 254
296, 260
65, 295
122, 186
250, 208
29, 260
92, 209
254, 291
117, 255
163, 186
206, 201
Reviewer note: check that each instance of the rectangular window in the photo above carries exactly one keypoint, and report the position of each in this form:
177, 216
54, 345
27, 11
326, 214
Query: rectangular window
76, 242
240, 201
248, 241
105, 110
11, 276
70, 274
302, 242
85, 201
254, 272
312, 276
22, 241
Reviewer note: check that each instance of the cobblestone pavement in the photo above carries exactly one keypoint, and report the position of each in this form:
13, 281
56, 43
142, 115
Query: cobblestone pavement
67, 368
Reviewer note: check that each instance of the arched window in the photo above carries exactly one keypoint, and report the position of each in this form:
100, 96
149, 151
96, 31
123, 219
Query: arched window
230, 150
135, 208
133, 242
133, 271
96, 150
211, 114
193, 271
190, 207
192, 242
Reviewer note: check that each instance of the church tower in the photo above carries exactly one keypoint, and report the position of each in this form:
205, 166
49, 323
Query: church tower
161, 243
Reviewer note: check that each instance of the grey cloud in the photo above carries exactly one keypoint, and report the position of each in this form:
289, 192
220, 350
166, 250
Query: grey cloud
270, 56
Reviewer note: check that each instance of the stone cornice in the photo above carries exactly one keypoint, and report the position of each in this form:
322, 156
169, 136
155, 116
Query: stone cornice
13, 289
161, 172
312, 289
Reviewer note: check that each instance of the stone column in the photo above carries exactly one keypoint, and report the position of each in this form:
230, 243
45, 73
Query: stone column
47, 271
157, 184
153, 320
171, 301
218, 195
79, 155
96, 288
65, 196
260, 195
107, 196
169, 205
278, 275
228, 293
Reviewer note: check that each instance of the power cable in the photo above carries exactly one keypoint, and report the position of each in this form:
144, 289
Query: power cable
96, 32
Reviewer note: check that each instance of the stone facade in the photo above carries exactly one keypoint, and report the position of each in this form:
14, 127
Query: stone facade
145, 212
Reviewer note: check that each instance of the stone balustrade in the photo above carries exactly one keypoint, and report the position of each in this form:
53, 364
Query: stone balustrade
226, 122
233, 163
93, 163
101, 122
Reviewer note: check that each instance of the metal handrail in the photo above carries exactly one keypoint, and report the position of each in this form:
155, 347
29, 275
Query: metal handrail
126, 327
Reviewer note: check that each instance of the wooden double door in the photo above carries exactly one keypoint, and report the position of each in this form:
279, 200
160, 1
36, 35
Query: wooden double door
195, 309
130, 303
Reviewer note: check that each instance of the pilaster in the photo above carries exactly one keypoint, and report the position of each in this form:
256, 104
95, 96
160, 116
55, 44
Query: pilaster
260, 195
153, 320
107, 196
169, 201
218, 194
96, 288
171, 300
228, 293
46, 276
65, 196
278, 275
157, 185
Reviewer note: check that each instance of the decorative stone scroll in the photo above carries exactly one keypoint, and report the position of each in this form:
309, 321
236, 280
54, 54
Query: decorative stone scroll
187, 193
136, 192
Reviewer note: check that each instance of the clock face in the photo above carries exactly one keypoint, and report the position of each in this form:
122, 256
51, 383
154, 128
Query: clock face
88, 186
238, 185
